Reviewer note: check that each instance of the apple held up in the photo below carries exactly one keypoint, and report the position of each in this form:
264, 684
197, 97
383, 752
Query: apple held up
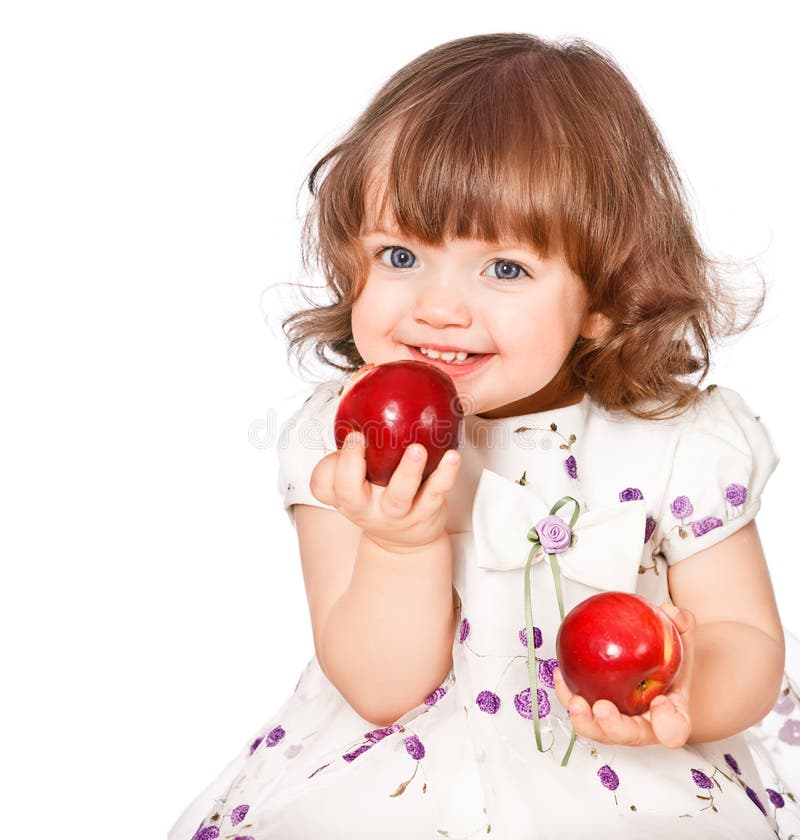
394, 405
619, 647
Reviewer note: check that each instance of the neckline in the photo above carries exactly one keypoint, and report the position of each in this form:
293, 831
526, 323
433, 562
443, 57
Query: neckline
550, 414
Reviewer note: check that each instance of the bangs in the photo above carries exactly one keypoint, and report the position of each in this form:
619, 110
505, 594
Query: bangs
479, 161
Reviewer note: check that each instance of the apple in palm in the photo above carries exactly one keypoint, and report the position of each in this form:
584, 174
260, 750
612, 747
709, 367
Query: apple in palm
394, 405
619, 647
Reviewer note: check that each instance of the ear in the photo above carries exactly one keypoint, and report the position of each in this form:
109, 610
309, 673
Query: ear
595, 325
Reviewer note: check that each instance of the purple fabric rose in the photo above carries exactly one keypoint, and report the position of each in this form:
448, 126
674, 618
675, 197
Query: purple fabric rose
775, 798
239, 813
755, 800
736, 494
522, 703
706, 524
352, 756
701, 780
608, 778
488, 701
554, 534
649, 527
275, 736
572, 466
434, 698
464, 631
681, 507
631, 494
414, 747
789, 733
537, 637
733, 764
546, 668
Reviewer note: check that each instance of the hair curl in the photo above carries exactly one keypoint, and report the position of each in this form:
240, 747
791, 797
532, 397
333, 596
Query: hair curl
511, 136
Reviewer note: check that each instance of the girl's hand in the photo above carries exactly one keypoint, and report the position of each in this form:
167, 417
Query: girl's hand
400, 517
667, 720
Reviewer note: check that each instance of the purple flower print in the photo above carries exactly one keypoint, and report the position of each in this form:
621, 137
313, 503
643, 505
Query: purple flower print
488, 701
755, 800
522, 703
733, 764
275, 736
784, 705
649, 527
775, 798
437, 695
572, 466
554, 534
464, 631
239, 813
293, 750
254, 745
736, 494
537, 637
210, 832
414, 747
681, 507
631, 494
706, 524
701, 780
789, 733
379, 734
546, 668
608, 778
352, 756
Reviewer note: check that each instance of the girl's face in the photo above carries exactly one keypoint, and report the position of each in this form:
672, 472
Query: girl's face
507, 302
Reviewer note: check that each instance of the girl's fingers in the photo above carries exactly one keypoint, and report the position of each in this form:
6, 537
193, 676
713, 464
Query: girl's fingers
350, 482
399, 494
602, 722
670, 725
440, 482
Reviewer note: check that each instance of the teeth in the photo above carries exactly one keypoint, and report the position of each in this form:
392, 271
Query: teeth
445, 357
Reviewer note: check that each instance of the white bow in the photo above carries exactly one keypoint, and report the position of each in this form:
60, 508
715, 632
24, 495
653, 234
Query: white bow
605, 555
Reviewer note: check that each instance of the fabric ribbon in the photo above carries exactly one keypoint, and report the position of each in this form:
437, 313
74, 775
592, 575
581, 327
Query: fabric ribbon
601, 549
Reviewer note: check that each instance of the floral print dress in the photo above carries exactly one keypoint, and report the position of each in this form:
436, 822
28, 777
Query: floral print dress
483, 754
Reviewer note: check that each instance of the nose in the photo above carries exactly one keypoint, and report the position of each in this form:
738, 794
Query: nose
442, 304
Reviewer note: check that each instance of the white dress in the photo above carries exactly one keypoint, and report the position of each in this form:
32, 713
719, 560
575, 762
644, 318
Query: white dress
464, 763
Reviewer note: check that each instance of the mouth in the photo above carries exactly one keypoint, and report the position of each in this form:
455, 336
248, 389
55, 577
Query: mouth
455, 368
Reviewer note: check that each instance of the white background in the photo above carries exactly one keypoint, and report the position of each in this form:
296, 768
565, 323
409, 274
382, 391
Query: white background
150, 180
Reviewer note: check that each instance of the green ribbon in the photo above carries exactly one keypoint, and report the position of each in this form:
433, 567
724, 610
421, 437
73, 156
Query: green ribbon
533, 676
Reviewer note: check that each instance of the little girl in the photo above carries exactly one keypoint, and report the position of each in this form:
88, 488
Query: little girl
505, 209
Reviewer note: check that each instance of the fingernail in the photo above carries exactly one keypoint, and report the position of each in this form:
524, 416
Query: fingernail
577, 706
416, 452
451, 456
354, 439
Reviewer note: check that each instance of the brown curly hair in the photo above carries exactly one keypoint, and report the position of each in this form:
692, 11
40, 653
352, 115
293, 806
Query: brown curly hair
511, 136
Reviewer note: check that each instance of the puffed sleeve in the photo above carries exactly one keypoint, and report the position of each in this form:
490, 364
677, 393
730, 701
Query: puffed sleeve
722, 459
305, 439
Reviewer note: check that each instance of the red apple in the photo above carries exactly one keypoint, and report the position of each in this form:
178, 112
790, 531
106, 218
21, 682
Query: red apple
619, 647
394, 405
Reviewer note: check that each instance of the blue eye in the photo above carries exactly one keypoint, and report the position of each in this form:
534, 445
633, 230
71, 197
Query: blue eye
399, 257
507, 270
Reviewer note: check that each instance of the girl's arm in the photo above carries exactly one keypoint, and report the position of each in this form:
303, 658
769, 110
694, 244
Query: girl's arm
378, 575
383, 623
739, 647
733, 668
